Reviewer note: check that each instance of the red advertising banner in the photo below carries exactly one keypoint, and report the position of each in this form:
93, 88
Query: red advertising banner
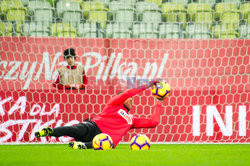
209, 100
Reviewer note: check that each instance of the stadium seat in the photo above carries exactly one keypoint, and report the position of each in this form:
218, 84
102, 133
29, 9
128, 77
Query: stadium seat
117, 30
221, 8
224, 32
184, 2
169, 31
25, 2
16, 15
148, 12
105, 2
10, 28
34, 5
89, 30
41, 10
5, 29
35, 29
95, 12
231, 19
132, 2
149, 35
122, 34
109, 30
158, 2
136, 30
244, 30
236, 2
113, 6
27, 29
201, 36
191, 10
144, 30
152, 13
228, 14
210, 2
216, 31
69, 11
63, 30
39, 34
198, 31
244, 9
14, 11
229, 35
79, 1
125, 15
92, 6
194, 8
204, 18
53, 29
140, 7
53, 2
173, 12
98, 16
15, 4
17, 28
4, 6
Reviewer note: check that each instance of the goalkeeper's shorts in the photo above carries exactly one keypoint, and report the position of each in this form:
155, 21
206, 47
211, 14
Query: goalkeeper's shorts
90, 130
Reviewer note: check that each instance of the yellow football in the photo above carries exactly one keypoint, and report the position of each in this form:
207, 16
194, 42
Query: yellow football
161, 90
102, 142
140, 142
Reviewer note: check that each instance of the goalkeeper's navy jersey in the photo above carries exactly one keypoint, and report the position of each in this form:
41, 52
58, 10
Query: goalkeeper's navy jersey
115, 120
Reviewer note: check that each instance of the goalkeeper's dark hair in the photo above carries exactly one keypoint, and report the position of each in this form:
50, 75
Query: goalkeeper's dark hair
123, 104
120, 92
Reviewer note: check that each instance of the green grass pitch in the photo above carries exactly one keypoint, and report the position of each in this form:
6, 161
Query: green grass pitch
159, 154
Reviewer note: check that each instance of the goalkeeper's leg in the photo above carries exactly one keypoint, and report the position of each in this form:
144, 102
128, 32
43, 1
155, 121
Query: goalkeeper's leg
47, 131
78, 132
81, 145
83, 132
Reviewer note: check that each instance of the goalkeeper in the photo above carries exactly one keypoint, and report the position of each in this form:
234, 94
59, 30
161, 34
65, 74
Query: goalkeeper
114, 120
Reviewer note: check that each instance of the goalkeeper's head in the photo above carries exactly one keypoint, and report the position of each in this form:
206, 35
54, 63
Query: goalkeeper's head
127, 103
70, 56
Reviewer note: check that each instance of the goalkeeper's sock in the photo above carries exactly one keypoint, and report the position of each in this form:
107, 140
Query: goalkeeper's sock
77, 145
44, 132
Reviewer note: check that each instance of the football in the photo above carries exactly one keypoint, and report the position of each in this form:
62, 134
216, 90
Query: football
140, 142
161, 90
102, 142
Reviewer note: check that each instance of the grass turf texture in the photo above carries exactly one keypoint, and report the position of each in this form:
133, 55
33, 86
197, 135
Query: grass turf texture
166, 155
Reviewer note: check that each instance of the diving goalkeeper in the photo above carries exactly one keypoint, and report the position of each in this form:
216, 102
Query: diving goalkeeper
114, 120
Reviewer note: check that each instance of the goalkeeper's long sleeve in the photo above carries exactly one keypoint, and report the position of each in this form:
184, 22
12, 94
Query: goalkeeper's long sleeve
121, 98
153, 121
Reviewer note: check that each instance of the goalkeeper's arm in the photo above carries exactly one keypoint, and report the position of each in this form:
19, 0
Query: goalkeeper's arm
121, 98
151, 122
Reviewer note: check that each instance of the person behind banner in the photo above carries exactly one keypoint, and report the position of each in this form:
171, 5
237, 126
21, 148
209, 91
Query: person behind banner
71, 76
114, 120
